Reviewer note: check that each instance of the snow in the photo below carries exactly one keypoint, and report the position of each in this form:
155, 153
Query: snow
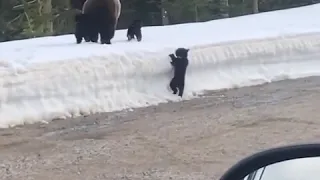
53, 77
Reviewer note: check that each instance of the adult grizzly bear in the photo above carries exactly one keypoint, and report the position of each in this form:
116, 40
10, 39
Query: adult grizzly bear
99, 17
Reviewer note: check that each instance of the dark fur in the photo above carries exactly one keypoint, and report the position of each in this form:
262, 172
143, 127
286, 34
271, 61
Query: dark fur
98, 17
180, 63
77, 4
134, 30
80, 31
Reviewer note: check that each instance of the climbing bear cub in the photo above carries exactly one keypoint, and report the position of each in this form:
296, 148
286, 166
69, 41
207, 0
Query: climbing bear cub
135, 30
180, 63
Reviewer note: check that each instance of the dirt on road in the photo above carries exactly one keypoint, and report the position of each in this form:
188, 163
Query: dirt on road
196, 139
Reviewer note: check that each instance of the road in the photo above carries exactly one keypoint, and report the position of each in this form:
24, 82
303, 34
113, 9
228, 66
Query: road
196, 139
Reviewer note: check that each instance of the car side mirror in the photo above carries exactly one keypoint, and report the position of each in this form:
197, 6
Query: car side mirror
295, 162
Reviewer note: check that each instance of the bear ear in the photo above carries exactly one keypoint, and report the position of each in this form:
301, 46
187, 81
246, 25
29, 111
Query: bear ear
187, 50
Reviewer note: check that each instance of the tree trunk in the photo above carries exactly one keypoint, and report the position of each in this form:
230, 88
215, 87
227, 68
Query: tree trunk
47, 12
196, 14
164, 15
224, 10
255, 6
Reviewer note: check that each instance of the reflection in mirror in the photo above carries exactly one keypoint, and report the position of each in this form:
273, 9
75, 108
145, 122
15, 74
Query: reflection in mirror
296, 169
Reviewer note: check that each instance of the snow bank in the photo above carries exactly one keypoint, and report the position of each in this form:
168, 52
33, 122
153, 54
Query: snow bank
47, 78
116, 82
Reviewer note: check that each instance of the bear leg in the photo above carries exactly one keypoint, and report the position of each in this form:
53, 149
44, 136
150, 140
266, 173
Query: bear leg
94, 37
130, 37
106, 33
78, 34
139, 35
104, 38
105, 41
173, 86
93, 33
79, 40
181, 89
87, 38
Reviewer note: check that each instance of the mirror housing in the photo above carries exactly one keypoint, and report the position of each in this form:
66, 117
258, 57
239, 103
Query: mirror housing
268, 157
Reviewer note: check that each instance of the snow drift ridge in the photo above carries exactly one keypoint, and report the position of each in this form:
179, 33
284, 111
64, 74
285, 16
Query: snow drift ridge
136, 79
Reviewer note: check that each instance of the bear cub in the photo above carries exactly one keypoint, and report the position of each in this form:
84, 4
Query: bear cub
134, 30
80, 30
84, 29
180, 63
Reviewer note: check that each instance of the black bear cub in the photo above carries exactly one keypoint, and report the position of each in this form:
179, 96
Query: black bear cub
80, 31
84, 26
135, 30
180, 63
